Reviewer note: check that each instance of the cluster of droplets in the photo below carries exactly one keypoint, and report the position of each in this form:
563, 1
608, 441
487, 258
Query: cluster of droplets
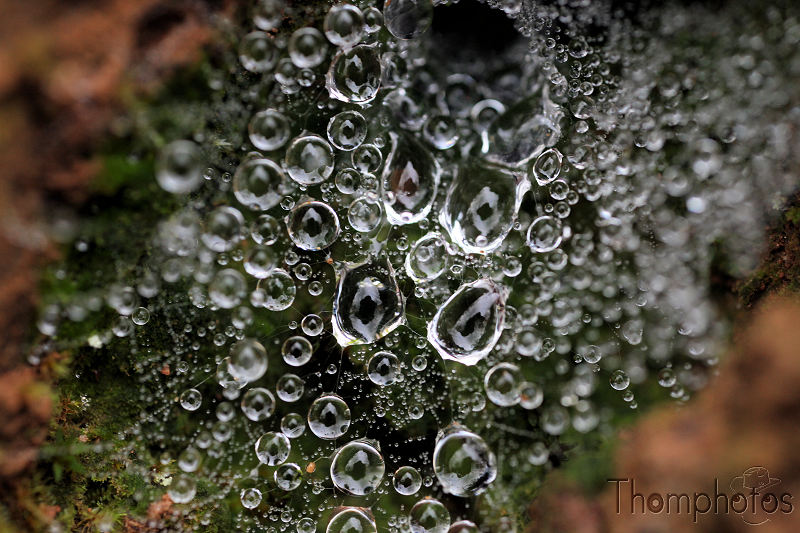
421, 268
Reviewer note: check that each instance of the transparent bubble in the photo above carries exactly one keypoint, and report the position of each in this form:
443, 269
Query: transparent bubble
429, 516
502, 383
265, 230
227, 288
267, 14
250, 498
367, 158
463, 463
440, 131
463, 526
189, 460
427, 259
312, 325
259, 261
290, 387
547, 166
223, 228
309, 160
373, 19
352, 520
368, 304
481, 207
288, 476
313, 225
408, 19
382, 368
329, 417
293, 425
179, 168
272, 448
191, 399
258, 404
279, 290
407, 480
307, 47
544, 234
297, 351
410, 180
344, 25
355, 75
357, 468
347, 180
140, 316
468, 325
531, 395
364, 214
248, 360
619, 380
347, 130
268, 130
258, 53
182, 489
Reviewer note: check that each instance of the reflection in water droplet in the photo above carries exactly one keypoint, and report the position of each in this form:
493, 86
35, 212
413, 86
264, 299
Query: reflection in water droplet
368, 303
355, 75
463, 463
467, 326
481, 207
410, 180
313, 225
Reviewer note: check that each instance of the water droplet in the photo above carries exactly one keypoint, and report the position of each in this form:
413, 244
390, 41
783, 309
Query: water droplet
329, 417
467, 326
268, 130
410, 180
407, 480
179, 168
368, 303
307, 47
313, 225
347, 130
272, 448
357, 468
544, 234
408, 19
502, 383
258, 404
258, 53
344, 25
429, 516
382, 368
427, 259
248, 360
463, 463
355, 75
309, 160
481, 207
352, 520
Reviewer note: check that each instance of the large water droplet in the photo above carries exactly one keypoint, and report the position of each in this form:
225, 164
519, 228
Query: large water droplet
408, 19
481, 206
309, 160
469, 323
463, 462
410, 180
355, 75
368, 303
524, 131
357, 468
313, 225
